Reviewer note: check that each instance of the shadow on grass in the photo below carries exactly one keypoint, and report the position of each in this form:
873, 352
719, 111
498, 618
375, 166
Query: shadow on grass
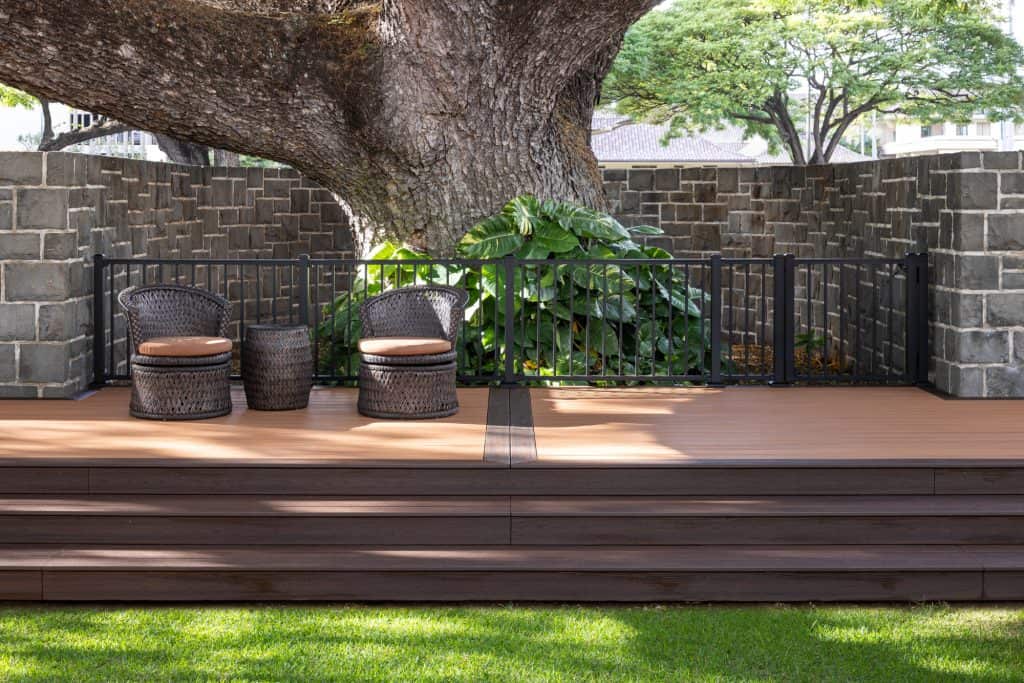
513, 644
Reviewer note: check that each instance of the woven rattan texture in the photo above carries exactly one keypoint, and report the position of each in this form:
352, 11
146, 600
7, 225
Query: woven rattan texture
411, 387
166, 388
277, 367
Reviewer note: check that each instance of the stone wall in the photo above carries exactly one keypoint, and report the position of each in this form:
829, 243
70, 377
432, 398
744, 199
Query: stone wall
966, 210
58, 209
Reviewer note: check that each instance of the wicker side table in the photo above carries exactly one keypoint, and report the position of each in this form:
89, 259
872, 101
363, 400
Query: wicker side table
277, 367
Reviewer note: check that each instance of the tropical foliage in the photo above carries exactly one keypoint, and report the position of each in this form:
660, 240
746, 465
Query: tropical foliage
769, 65
618, 308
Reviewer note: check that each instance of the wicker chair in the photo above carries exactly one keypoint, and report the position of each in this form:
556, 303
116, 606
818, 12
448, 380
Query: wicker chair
178, 386
405, 383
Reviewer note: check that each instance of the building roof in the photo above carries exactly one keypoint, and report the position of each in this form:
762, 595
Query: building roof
615, 139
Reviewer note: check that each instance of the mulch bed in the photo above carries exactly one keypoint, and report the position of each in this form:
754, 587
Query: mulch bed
757, 359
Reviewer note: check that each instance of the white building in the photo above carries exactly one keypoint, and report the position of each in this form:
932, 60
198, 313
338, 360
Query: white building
21, 129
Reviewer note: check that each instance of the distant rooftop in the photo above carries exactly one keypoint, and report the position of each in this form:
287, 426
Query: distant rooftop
616, 140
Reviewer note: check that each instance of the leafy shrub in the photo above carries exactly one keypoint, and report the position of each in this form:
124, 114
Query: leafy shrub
591, 317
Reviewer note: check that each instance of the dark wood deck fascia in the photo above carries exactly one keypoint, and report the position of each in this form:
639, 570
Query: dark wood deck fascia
497, 518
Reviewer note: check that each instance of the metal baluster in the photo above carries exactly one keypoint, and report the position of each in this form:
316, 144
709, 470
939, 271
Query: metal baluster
273, 293
672, 330
809, 348
746, 320
874, 320
824, 333
259, 294
572, 323
892, 299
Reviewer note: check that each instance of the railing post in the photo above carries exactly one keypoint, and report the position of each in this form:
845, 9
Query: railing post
783, 319
509, 265
304, 289
917, 318
716, 320
99, 370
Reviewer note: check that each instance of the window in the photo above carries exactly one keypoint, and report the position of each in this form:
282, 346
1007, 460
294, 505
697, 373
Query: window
963, 129
1018, 129
932, 130
136, 137
983, 128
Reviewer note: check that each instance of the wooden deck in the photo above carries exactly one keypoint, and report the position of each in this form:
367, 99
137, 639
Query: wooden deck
741, 494
668, 427
97, 429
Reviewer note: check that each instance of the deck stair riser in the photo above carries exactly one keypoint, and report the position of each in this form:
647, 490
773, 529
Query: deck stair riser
737, 480
519, 520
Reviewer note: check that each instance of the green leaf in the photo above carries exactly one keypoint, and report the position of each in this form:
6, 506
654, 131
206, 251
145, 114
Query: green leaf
604, 228
491, 238
382, 252
533, 249
645, 230
525, 213
554, 238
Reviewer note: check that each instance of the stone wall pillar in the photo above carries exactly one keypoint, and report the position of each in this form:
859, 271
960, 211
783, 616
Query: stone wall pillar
44, 300
978, 277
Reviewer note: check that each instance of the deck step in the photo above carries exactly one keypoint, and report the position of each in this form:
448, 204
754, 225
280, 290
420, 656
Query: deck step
784, 520
256, 520
735, 479
634, 573
502, 520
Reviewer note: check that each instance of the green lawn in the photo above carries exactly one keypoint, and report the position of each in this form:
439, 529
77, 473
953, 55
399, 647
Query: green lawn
931, 643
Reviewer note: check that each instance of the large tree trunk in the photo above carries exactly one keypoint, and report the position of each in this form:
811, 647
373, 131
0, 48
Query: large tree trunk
423, 115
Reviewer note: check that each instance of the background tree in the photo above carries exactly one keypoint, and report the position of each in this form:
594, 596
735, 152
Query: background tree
424, 115
763, 64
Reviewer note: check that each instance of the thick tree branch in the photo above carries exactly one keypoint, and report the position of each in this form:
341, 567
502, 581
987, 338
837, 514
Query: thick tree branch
77, 136
166, 67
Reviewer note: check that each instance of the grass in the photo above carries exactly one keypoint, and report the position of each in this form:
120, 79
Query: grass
928, 643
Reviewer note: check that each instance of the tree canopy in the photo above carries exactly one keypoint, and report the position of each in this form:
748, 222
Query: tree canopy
12, 97
763, 64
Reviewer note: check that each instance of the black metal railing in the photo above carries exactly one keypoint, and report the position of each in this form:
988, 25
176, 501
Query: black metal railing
713, 320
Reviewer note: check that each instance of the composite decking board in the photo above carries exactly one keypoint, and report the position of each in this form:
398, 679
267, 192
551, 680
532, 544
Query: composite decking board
231, 531
628, 586
522, 440
526, 506
1003, 585
98, 430
409, 481
979, 480
253, 506
44, 479
725, 480
762, 506
21, 585
808, 530
635, 427
497, 441
582, 559
332, 481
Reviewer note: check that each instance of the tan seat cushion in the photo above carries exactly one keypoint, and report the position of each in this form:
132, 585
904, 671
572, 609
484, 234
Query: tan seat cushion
404, 346
185, 347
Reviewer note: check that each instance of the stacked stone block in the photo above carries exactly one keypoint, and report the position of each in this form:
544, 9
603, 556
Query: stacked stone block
58, 209
966, 210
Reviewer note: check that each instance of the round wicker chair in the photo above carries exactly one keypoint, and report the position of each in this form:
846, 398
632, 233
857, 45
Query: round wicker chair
411, 386
177, 387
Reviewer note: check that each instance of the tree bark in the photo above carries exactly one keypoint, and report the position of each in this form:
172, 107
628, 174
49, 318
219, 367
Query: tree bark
182, 152
423, 115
